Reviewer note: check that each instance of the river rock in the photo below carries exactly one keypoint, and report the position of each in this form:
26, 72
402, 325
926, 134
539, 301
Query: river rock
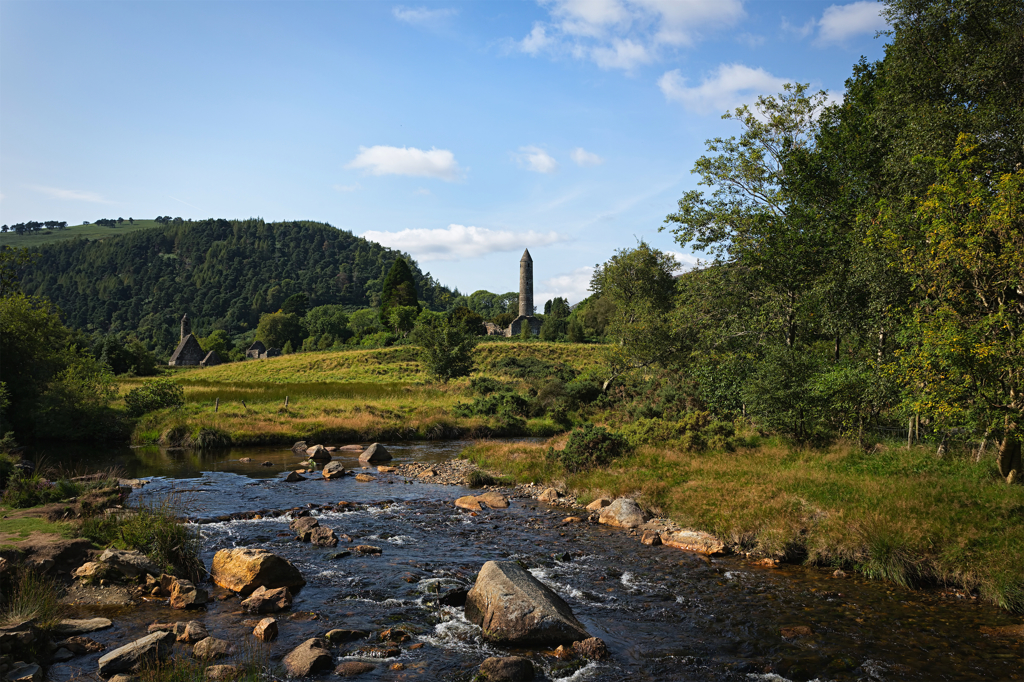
550, 495
599, 504
622, 513
223, 672
185, 595
211, 647
507, 669
25, 672
365, 478
353, 668
367, 549
694, 541
651, 537
82, 645
318, 453
394, 635
263, 600
303, 527
62, 655
494, 500
299, 448
123, 678
339, 636
375, 453
333, 470
593, 648
130, 563
91, 571
294, 477
310, 657
323, 537
156, 646
243, 569
514, 607
266, 630
193, 632
73, 626
469, 502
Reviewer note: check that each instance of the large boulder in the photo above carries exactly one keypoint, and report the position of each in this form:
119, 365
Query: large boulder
243, 569
154, 647
375, 453
185, 595
303, 527
211, 647
322, 536
265, 630
622, 513
507, 669
513, 607
318, 453
263, 600
333, 470
310, 657
130, 563
299, 448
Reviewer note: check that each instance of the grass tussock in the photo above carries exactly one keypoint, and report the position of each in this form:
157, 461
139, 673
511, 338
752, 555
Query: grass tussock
155, 530
251, 657
31, 596
895, 514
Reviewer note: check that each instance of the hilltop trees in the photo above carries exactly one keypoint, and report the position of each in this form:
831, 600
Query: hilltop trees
399, 290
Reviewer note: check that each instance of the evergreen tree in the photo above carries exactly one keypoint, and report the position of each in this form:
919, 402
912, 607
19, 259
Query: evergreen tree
399, 290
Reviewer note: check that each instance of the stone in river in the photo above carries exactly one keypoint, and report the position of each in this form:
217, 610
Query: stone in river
333, 470
375, 453
82, 626
622, 513
156, 646
310, 657
243, 569
294, 477
367, 549
651, 537
507, 669
193, 632
513, 607
469, 502
365, 478
324, 537
318, 453
211, 647
353, 668
130, 563
598, 504
386, 469
299, 448
263, 600
223, 672
494, 500
185, 595
694, 541
245, 460
394, 635
593, 648
62, 655
550, 495
266, 630
25, 672
796, 631
267, 464
82, 645
303, 527
338, 636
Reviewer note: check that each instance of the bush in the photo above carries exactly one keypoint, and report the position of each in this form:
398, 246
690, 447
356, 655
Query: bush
154, 395
34, 597
532, 368
590, 446
447, 350
154, 530
582, 391
486, 386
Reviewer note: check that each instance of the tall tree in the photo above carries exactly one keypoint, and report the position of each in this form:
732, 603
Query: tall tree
399, 290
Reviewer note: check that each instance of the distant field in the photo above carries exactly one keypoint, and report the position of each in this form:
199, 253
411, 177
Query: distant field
86, 231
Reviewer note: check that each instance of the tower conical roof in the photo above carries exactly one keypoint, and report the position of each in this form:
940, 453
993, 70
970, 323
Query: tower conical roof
526, 256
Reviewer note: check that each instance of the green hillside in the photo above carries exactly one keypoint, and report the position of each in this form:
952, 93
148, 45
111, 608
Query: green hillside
90, 231
222, 273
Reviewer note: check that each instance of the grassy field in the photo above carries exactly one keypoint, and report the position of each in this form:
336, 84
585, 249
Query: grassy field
73, 231
894, 514
338, 397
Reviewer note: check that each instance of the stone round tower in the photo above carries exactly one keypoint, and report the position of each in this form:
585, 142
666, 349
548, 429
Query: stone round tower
186, 327
526, 284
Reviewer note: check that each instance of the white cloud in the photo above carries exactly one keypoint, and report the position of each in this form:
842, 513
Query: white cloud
730, 86
840, 22
751, 40
422, 16
687, 261
623, 54
423, 192
383, 160
574, 286
70, 194
584, 158
800, 31
536, 159
458, 241
348, 188
622, 34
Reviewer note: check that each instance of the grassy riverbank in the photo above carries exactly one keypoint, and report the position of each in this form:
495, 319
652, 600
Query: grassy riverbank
894, 514
346, 396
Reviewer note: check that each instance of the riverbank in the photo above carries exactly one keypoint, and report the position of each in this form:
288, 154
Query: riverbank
892, 514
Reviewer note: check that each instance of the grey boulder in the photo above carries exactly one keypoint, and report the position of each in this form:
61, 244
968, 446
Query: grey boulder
310, 657
156, 646
375, 453
129, 563
513, 607
507, 669
333, 469
622, 513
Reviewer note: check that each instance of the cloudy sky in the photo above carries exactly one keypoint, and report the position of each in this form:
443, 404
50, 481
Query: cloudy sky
458, 132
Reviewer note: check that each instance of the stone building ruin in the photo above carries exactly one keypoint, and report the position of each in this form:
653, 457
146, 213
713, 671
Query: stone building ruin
257, 351
525, 300
188, 353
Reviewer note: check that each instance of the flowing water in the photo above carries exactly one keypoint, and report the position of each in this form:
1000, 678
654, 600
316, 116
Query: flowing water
664, 614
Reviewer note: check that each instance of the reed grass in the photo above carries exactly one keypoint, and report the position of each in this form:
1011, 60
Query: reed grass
898, 515
32, 596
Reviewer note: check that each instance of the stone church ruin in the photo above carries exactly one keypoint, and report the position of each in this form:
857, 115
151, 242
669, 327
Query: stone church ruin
188, 353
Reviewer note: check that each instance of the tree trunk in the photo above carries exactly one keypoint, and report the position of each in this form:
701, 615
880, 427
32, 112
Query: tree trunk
1009, 457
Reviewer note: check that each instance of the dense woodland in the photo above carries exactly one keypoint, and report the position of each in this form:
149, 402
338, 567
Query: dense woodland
223, 274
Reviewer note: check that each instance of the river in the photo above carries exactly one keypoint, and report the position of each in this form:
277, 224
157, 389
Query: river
664, 614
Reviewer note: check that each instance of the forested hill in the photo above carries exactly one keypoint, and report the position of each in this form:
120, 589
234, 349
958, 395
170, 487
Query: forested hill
224, 274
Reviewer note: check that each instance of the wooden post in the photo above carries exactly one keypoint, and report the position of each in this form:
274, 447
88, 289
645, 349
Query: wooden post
216, 404
286, 402
917, 428
910, 432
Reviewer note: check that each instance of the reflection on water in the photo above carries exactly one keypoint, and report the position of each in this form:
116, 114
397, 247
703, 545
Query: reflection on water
665, 614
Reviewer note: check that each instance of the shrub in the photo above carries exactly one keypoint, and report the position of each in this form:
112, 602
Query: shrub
34, 597
486, 386
589, 446
32, 490
532, 368
154, 395
582, 391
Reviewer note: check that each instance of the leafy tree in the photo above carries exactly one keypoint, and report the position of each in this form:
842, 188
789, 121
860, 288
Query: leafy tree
470, 321
277, 329
154, 395
399, 289
366, 321
296, 305
218, 340
327, 320
403, 319
447, 349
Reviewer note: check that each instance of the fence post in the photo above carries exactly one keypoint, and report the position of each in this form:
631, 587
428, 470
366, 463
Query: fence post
286, 402
216, 404
910, 431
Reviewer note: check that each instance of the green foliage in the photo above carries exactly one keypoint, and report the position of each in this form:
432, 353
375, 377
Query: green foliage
35, 597
76, 403
327, 320
153, 529
590, 446
218, 340
399, 290
296, 304
533, 368
277, 329
31, 490
154, 395
486, 385
402, 318
447, 350
470, 321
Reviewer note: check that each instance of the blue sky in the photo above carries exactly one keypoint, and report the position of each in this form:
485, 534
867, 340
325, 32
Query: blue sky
458, 132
